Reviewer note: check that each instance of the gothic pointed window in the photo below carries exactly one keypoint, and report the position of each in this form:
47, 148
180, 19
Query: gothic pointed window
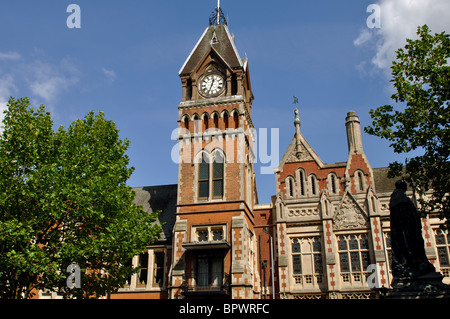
301, 182
236, 120
289, 187
216, 121
211, 176
333, 184
225, 119
313, 181
361, 181
205, 122
217, 178
196, 124
186, 123
203, 177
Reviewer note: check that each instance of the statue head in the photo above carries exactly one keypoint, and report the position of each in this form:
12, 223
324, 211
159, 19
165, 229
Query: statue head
401, 184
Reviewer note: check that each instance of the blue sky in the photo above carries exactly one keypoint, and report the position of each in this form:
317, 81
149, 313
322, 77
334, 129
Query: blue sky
125, 58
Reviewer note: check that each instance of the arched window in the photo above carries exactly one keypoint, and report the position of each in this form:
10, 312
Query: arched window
186, 123
236, 119
333, 186
217, 181
225, 119
211, 176
203, 177
361, 181
205, 122
196, 124
301, 182
290, 187
313, 181
216, 121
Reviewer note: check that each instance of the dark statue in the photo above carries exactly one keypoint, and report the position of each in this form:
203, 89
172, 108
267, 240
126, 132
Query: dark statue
410, 266
409, 259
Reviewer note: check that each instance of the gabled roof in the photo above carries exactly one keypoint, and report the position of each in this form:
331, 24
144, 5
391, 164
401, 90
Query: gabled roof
223, 46
306, 153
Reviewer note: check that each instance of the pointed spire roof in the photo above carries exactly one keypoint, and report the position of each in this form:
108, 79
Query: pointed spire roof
217, 37
299, 150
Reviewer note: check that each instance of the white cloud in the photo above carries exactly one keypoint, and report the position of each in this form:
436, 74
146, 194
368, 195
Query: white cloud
9, 55
47, 80
110, 74
399, 21
364, 36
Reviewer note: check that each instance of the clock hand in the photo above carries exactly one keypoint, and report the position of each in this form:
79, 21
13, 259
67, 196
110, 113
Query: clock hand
212, 82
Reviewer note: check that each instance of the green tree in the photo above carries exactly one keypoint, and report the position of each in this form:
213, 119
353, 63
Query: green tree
420, 120
64, 200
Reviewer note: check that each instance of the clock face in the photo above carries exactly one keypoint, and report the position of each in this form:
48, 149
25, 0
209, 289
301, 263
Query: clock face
212, 85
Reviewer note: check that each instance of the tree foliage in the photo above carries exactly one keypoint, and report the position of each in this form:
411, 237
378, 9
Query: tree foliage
64, 200
420, 120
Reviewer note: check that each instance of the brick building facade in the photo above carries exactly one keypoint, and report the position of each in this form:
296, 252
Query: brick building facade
324, 234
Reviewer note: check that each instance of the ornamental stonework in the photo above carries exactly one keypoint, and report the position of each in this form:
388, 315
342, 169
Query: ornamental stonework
349, 216
300, 155
304, 212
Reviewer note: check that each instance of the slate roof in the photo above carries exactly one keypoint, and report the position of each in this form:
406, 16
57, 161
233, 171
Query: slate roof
163, 198
383, 184
224, 47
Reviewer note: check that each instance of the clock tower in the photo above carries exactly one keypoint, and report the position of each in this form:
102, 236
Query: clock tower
214, 246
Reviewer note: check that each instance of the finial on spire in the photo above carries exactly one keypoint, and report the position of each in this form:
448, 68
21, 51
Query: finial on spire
217, 17
218, 11
297, 118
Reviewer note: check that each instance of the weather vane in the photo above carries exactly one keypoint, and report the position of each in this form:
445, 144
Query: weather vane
295, 101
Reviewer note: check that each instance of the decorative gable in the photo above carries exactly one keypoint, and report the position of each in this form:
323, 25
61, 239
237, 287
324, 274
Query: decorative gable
299, 154
349, 215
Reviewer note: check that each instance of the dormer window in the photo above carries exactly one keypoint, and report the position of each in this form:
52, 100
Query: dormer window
214, 39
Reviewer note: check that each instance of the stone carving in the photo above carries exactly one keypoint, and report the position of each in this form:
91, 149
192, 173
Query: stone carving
300, 155
303, 212
349, 216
